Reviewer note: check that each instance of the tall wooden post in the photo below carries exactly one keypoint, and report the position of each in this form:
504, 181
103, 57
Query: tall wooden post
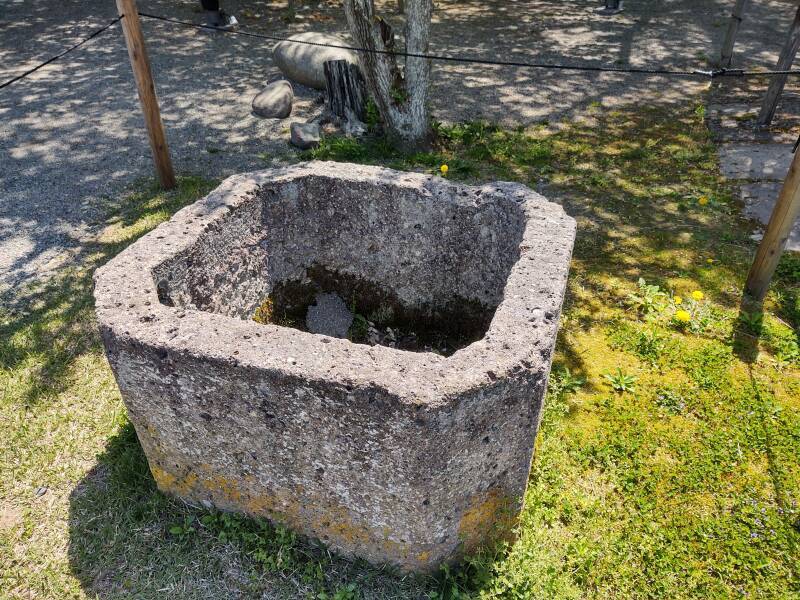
785, 213
730, 37
785, 61
140, 63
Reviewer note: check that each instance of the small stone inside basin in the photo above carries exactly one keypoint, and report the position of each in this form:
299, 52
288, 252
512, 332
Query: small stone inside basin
329, 315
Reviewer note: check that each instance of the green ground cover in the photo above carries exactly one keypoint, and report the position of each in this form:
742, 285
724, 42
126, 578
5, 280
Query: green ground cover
667, 465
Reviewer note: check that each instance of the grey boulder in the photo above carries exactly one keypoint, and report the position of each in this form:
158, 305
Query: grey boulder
303, 63
274, 101
304, 135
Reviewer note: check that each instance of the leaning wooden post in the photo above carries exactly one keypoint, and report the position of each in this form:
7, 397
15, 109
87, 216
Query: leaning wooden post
785, 61
779, 227
140, 63
730, 37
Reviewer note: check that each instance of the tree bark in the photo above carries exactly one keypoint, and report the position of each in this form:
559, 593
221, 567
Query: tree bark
344, 85
400, 94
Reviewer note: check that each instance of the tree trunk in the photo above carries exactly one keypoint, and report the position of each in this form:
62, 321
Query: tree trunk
344, 85
401, 94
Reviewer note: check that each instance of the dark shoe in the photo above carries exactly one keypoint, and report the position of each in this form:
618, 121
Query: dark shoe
213, 18
227, 22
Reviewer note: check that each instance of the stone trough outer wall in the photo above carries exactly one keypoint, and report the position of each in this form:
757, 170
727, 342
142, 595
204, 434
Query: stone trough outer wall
395, 457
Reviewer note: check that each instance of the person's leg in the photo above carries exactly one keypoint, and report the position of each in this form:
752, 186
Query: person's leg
213, 13
217, 17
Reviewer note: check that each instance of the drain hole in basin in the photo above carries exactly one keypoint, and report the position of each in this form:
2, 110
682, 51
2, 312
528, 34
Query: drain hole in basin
376, 315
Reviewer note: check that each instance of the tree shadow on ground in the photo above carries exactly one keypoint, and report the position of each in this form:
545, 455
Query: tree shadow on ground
78, 136
50, 325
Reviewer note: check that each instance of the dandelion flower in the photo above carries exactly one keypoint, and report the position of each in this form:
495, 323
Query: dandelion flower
702, 200
677, 300
444, 169
697, 295
683, 316
710, 261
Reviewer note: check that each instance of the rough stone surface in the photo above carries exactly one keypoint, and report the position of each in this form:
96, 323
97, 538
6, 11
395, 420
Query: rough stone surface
274, 101
399, 457
329, 315
304, 63
304, 135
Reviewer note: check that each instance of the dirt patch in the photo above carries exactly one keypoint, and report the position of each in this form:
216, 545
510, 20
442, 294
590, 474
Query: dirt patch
10, 517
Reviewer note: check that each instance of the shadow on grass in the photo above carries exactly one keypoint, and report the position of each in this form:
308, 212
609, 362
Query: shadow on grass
45, 328
747, 330
126, 539
631, 178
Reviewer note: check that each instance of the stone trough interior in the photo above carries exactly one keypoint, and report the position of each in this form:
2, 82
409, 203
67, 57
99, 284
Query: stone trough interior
396, 457
433, 264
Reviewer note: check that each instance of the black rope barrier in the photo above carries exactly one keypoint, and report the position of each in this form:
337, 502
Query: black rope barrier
714, 73
59, 55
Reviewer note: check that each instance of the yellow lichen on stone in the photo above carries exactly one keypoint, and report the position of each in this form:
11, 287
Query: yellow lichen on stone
265, 312
488, 520
296, 508
174, 484
165, 481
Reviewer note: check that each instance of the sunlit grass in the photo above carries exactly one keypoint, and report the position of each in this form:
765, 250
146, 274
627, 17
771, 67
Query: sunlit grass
682, 483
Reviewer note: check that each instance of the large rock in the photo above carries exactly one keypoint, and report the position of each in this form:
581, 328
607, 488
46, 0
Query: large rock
304, 135
303, 63
409, 458
274, 101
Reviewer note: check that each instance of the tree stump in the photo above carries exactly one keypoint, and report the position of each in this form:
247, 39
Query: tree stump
344, 85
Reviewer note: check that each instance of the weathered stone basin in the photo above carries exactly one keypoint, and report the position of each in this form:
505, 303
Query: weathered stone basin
402, 457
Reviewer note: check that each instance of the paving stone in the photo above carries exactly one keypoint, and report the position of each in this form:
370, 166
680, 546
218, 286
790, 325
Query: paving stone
736, 123
755, 161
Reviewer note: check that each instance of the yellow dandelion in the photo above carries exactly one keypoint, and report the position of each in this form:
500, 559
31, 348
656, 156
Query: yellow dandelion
710, 261
683, 316
444, 169
697, 295
702, 200
677, 300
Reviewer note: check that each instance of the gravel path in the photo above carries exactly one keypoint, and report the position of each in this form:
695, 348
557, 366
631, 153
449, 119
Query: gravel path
71, 135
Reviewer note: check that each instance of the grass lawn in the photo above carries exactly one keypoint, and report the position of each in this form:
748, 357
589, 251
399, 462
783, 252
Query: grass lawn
667, 465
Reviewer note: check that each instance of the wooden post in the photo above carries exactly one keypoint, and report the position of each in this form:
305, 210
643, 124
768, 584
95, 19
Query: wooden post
730, 37
140, 63
785, 61
785, 213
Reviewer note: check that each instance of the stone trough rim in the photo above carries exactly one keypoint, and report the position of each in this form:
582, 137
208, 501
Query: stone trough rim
518, 339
